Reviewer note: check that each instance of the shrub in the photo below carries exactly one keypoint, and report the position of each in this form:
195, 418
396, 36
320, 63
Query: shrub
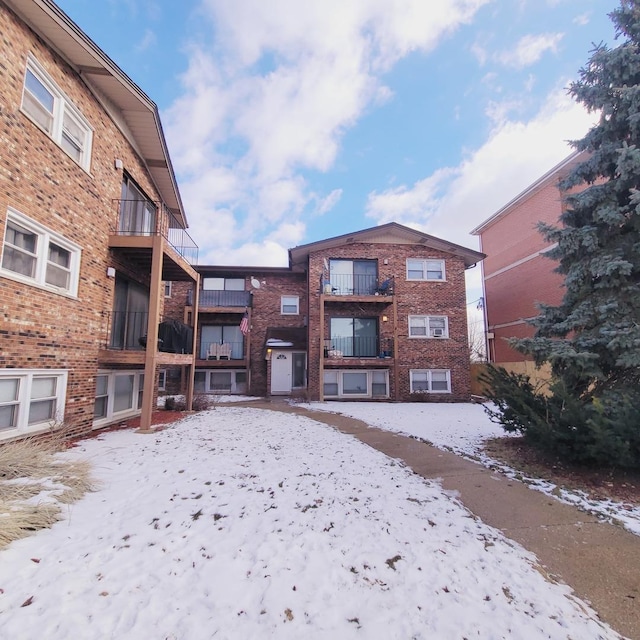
598, 428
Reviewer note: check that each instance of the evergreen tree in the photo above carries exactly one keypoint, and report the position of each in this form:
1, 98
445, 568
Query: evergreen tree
592, 339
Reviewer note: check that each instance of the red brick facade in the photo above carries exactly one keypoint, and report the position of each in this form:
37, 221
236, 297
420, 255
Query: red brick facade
388, 248
44, 329
517, 274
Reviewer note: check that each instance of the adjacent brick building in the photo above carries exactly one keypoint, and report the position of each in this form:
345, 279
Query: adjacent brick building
91, 224
517, 275
376, 314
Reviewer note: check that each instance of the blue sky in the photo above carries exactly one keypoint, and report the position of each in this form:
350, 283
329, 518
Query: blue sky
289, 121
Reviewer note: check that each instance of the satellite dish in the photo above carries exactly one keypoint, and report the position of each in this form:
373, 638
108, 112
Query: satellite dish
255, 283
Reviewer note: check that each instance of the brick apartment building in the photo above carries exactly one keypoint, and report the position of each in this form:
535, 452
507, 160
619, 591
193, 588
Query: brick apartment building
375, 314
517, 275
91, 225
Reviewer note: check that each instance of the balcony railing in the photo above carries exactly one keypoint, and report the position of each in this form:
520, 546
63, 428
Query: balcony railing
358, 285
221, 299
127, 329
357, 347
221, 350
146, 218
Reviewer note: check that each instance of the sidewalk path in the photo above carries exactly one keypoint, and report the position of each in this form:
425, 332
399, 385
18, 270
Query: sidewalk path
599, 561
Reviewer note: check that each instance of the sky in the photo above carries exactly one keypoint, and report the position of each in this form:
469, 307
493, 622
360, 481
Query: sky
246, 523
289, 122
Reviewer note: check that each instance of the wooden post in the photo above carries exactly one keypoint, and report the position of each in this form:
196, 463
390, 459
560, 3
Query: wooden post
151, 354
191, 369
395, 349
321, 352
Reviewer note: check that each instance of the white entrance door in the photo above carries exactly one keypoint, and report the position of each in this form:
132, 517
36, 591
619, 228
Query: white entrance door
281, 369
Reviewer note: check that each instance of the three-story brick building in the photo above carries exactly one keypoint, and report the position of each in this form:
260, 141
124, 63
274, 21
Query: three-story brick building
91, 224
376, 314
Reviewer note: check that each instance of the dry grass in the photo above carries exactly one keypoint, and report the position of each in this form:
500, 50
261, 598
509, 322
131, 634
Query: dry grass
33, 485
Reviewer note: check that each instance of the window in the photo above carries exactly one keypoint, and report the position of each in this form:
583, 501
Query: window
340, 383
118, 395
214, 336
425, 270
130, 314
430, 381
353, 277
289, 305
137, 212
56, 115
355, 337
428, 327
227, 381
30, 400
33, 254
162, 380
223, 284
167, 289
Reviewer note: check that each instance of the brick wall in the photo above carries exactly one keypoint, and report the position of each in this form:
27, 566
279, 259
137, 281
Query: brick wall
411, 297
42, 329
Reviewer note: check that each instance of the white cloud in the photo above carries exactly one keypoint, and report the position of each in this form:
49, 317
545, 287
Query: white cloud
147, 41
273, 95
530, 49
451, 202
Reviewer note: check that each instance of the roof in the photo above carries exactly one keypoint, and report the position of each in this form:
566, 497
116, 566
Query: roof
390, 233
557, 173
111, 87
286, 338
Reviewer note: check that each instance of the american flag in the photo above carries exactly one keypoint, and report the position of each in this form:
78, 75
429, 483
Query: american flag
244, 324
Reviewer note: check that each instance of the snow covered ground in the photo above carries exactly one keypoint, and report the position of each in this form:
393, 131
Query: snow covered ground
238, 523
462, 428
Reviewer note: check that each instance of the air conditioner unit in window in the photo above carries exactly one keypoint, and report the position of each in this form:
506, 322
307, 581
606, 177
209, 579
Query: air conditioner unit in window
437, 333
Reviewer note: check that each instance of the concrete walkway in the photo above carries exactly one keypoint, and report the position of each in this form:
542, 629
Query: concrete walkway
599, 561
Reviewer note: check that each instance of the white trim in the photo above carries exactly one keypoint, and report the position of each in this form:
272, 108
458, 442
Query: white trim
430, 332
429, 373
288, 301
23, 400
62, 107
111, 414
425, 270
45, 237
339, 380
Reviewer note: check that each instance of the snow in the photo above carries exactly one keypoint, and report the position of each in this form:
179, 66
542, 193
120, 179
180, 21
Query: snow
243, 523
462, 428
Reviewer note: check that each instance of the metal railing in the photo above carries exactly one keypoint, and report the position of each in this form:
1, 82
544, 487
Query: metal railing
148, 218
358, 285
221, 299
126, 329
357, 347
221, 350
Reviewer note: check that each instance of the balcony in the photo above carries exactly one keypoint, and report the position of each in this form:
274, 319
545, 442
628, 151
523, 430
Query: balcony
359, 285
338, 348
234, 300
221, 351
125, 335
139, 221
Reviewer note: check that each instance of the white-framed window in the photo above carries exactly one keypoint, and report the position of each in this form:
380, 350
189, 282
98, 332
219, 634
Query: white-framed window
356, 383
220, 381
428, 327
118, 395
162, 380
430, 380
34, 254
289, 305
167, 289
45, 104
425, 270
31, 400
